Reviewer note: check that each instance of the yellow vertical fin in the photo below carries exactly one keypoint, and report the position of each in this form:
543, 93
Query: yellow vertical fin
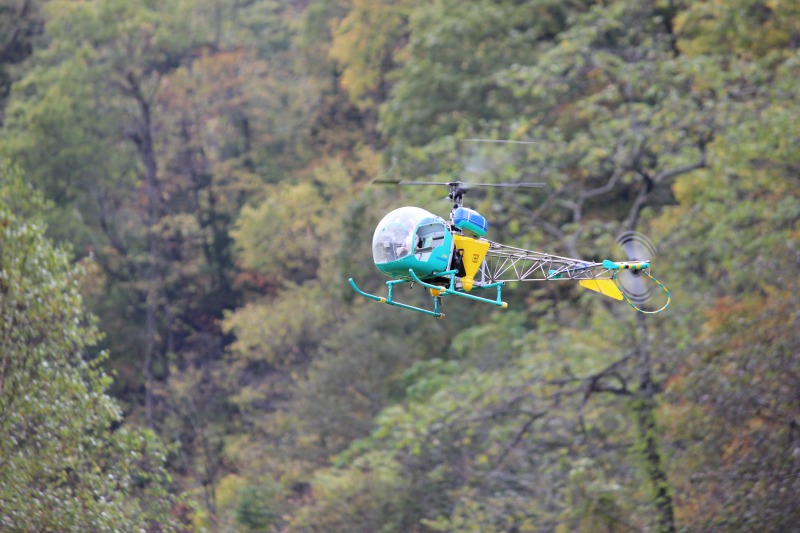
603, 286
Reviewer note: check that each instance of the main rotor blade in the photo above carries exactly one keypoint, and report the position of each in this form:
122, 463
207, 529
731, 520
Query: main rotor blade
409, 182
446, 183
464, 185
524, 185
530, 185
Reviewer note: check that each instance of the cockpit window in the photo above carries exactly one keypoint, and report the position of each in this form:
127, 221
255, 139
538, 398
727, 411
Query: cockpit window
397, 235
429, 235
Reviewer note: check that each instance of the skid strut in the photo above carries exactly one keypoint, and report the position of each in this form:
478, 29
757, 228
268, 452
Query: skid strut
437, 292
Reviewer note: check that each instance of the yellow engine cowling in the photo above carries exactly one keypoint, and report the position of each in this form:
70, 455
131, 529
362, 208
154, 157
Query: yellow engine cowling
472, 253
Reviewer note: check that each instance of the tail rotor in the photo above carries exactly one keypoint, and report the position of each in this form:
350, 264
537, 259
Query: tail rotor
642, 291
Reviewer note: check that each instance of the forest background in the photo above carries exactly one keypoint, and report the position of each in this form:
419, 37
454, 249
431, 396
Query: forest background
186, 187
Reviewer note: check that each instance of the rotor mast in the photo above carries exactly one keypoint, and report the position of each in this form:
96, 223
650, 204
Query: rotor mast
457, 192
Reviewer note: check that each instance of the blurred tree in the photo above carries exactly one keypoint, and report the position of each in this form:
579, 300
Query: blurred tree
447, 79
734, 457
67, 461
92, 94
21, 23
212, 155
742, 28
149, 159
365, 43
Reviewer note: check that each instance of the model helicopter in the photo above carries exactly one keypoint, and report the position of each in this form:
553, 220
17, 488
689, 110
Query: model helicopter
452, 258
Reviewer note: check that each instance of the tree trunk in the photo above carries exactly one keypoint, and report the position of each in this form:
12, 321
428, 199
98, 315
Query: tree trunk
648, 445
143, 138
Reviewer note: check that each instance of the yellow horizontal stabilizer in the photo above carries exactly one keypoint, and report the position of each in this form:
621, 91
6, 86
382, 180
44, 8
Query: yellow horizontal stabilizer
603, 286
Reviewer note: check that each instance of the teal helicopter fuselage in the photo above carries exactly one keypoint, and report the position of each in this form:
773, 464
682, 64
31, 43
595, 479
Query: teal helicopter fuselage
413, 245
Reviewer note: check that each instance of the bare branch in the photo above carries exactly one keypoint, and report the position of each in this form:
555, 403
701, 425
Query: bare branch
533, 417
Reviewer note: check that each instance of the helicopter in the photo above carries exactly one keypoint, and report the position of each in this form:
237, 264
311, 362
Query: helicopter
452, 258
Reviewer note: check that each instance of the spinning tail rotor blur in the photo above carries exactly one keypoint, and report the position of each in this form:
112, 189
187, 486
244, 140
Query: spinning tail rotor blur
639, 287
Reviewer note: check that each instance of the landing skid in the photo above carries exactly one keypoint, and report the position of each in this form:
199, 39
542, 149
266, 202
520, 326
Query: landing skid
437, 292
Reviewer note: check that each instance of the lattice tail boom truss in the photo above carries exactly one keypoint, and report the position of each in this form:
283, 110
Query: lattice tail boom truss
506, 263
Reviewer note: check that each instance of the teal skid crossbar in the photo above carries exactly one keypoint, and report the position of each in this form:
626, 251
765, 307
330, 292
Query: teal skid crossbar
452, 290
441, 291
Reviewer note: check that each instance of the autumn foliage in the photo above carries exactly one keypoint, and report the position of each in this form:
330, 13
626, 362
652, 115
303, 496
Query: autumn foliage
209, 165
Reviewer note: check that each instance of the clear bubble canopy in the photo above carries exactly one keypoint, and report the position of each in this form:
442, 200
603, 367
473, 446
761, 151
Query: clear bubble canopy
394, 236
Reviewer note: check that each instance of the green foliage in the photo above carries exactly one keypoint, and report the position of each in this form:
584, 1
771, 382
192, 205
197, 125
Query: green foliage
486, 450
367, 497
273, 238
364, 44
121, 119
66, 465
213, 158
357, 371
424, 378
20, 26
728, 388
254, 509
750, 28
454, 50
